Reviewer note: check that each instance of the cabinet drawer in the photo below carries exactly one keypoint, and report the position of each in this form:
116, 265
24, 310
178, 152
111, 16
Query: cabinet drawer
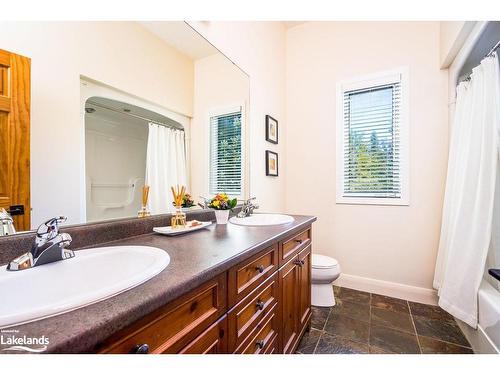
212, 341
273, 347
246, 315
170, 328
247, 275
263, 337
293, 244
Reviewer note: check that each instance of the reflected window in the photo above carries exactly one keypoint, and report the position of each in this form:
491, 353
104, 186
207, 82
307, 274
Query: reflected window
226, 153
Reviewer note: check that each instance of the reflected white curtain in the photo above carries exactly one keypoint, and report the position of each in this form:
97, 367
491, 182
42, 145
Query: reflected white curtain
469, 196
165, 166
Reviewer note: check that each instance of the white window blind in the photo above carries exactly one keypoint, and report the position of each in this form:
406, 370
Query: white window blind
372, 142
226, 154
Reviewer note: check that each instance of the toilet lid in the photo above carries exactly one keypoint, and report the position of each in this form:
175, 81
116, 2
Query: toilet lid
322, 261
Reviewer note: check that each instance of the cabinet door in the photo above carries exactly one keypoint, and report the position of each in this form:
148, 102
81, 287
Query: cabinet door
212, 341
289, 278
304, 287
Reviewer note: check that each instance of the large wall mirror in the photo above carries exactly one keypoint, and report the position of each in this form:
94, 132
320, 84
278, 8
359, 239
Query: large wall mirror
108, 108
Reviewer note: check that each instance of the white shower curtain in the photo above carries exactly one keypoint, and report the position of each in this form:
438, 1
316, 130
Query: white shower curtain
469, 195
165, 166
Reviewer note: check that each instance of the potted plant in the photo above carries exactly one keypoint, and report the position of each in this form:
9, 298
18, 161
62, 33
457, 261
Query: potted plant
187, 201
222, 205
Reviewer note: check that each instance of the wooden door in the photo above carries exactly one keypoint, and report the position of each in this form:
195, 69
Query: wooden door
289, 278
304, 286
15, 137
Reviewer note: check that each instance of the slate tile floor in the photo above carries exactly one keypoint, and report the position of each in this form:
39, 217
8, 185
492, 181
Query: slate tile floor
370, 323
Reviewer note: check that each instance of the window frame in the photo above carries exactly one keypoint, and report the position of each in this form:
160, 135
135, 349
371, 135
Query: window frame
400, 74
221, 111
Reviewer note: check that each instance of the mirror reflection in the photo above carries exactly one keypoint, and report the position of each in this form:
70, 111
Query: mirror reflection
126, 148
159, 107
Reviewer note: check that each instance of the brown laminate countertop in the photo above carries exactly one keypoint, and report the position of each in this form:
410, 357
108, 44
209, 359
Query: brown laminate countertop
194, 259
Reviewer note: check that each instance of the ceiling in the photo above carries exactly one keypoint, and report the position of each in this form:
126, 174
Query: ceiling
119, 112
182, 37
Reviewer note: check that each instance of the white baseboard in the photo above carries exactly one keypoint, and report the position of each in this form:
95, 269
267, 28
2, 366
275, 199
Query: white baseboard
387, 288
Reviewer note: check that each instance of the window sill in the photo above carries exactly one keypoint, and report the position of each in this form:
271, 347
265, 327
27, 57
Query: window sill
374, 201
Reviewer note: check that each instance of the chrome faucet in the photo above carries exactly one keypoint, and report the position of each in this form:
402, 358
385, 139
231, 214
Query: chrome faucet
205, 203
6, 223
50, 246
248, 207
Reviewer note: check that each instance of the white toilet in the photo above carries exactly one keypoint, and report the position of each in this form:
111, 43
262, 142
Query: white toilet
325, 271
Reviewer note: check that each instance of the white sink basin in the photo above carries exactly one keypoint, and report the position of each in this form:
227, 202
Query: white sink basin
91, 276
257, 220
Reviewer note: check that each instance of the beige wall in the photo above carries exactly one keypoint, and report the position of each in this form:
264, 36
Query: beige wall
121, 54
393, 244
259, 49
218, 84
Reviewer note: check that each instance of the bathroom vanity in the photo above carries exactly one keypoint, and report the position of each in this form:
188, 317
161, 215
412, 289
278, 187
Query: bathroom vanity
227, 289
260, 305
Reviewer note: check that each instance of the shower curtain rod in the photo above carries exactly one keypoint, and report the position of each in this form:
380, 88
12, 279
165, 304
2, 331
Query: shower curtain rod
467, 76
134, 115
493, 49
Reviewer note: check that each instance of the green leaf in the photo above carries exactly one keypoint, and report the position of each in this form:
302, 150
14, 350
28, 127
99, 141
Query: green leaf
233, 203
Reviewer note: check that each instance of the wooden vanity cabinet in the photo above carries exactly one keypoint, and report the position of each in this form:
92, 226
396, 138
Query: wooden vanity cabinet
260, 306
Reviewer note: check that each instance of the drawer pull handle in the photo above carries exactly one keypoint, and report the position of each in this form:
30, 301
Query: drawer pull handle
259, 344
299, 263
140, 349
260, 305
298, 240
260, 268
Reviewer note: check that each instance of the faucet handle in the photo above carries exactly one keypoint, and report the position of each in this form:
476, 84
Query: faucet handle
205, 204
249, 200
50, 228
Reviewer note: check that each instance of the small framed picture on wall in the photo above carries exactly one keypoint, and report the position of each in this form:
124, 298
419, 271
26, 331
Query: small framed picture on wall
271, 129
271, 163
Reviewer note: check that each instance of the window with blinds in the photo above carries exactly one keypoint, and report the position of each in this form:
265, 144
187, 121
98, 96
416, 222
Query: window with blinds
371, 142
226, 154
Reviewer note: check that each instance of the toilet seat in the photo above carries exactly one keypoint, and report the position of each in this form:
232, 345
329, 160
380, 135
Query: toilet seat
323, 262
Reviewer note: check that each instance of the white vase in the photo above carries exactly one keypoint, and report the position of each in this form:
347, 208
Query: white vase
221, 216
